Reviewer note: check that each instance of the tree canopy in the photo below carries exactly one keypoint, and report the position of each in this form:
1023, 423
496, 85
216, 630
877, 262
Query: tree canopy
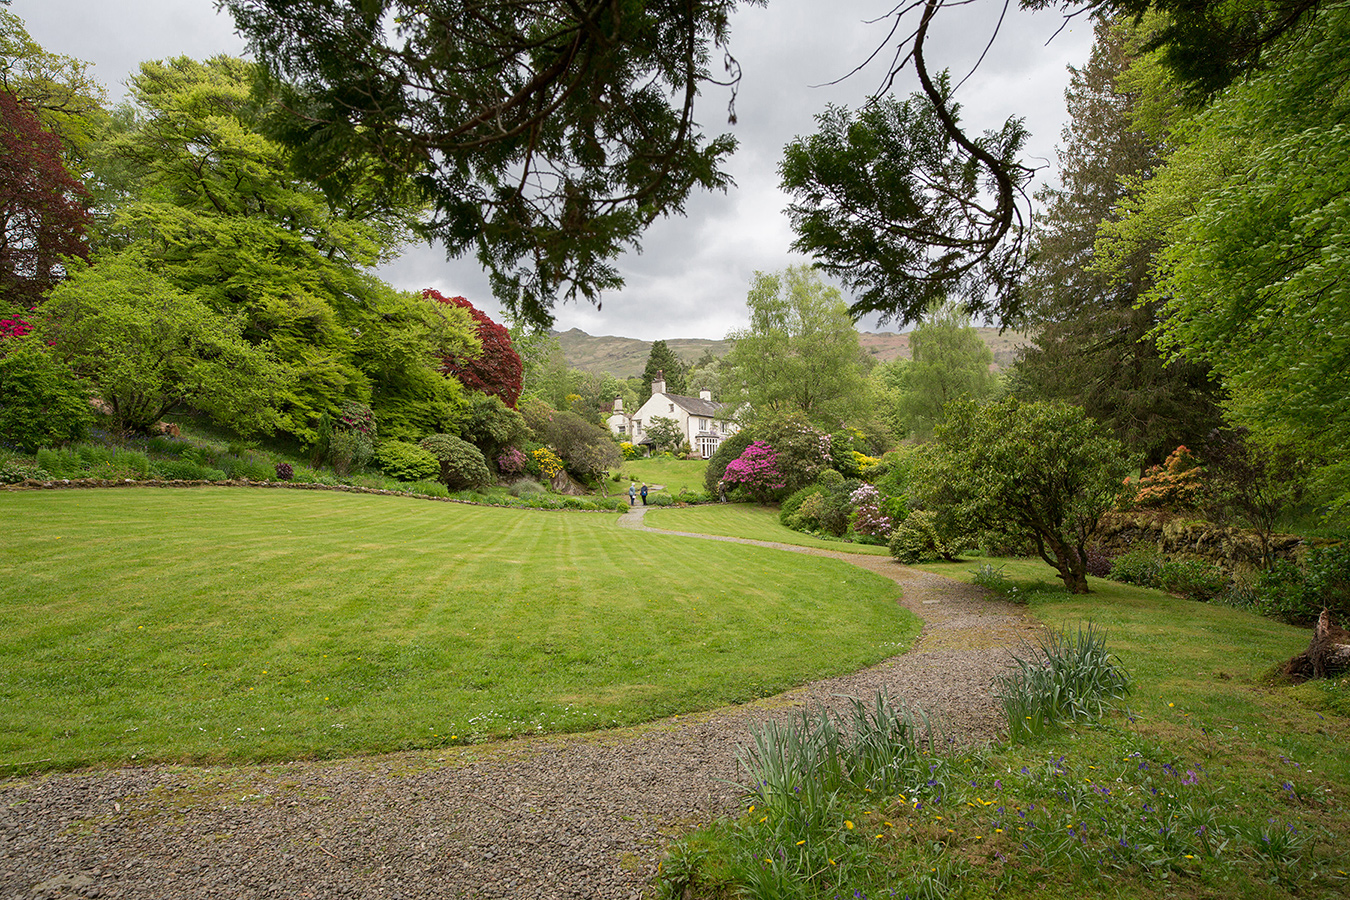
1041, 469
545, 134
800, 354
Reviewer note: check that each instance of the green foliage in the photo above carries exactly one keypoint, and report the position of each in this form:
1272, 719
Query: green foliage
462, 464
94, 461
885, 200
406, 461
662, 361
1297, 593
13, 471
148, 347
1253, 211
586, 449
665, 433
924, 535
1092, 345
800, 356
1071, 678
42, 404
600, 98
1039, 468
1189, 577
660, 498
492, 426
950, 362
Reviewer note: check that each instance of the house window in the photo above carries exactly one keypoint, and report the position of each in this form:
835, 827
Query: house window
672, 407
623, 429
702, 424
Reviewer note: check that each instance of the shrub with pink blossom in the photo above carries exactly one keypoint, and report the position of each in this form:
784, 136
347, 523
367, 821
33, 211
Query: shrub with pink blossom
512, 462
756, 470
870, 524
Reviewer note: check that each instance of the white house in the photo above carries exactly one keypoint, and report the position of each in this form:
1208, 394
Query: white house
703, 422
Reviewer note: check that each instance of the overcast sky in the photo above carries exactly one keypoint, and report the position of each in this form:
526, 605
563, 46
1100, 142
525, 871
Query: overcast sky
693, 274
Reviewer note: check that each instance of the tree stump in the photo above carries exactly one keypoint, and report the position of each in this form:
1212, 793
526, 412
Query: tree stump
1326, 656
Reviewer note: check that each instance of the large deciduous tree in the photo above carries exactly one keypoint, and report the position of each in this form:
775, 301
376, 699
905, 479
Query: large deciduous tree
211, 205
149, 347
1253, 212
546, 134
42, 207
800, 354
950, 362
1045, 470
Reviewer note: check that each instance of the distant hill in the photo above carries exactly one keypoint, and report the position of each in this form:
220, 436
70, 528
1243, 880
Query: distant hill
624, 357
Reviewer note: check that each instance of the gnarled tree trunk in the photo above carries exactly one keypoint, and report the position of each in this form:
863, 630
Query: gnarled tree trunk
1327, 655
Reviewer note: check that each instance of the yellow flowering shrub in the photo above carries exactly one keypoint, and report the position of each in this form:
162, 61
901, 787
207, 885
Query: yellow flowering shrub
549, 463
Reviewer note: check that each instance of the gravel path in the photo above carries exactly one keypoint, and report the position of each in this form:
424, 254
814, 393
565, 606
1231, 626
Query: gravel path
575, 816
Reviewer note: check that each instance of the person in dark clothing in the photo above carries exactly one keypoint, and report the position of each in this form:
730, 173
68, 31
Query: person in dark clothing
644, 495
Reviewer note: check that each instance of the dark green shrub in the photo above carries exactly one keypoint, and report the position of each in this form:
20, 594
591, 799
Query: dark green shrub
1141, 566
462, 464
790, 507
1298, 594
921, 537
406, 461
729, 450
1194, 579
660, 498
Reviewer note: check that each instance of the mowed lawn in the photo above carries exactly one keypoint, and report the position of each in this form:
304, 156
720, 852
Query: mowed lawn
246, 624
744, 520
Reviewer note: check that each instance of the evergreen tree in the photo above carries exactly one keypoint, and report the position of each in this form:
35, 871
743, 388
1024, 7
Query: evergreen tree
663, 360
1094, 343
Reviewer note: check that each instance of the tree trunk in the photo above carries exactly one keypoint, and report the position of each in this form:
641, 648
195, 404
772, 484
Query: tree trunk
1326, 656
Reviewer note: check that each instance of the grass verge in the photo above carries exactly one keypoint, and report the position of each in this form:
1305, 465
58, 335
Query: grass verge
743, 520
1213, 781
242, 624
672, 474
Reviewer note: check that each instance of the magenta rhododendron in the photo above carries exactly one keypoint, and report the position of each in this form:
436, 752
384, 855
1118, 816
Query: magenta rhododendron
756, 470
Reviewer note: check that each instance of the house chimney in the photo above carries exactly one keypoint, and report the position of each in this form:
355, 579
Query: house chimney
659, 382
705, 395
618, 404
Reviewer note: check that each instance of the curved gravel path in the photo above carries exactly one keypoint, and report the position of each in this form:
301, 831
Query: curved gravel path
571, 816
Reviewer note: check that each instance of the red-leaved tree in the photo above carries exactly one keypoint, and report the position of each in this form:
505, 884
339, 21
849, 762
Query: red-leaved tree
42, 208
497, 370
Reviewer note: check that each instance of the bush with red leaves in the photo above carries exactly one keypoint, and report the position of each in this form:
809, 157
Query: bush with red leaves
497, 370
42, 208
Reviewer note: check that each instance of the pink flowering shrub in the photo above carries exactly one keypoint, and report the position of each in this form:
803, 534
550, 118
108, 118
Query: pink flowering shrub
512, 462
870, 524
14, 327
756, 470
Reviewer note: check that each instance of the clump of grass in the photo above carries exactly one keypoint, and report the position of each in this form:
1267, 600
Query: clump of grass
1070, 676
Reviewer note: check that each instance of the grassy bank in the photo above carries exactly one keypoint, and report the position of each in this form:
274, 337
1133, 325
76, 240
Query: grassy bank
1213, 779
238, 624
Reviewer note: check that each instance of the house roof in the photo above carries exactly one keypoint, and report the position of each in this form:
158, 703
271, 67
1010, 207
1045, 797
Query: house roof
697, 406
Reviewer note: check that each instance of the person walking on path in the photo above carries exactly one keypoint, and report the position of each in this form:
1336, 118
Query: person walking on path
644, 495
632, 494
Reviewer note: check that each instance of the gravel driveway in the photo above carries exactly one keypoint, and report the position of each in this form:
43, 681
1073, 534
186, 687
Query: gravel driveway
574, 816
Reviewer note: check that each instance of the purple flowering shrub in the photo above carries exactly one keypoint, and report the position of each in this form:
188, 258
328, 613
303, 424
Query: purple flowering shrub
756, 470
512, 462
870, 524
